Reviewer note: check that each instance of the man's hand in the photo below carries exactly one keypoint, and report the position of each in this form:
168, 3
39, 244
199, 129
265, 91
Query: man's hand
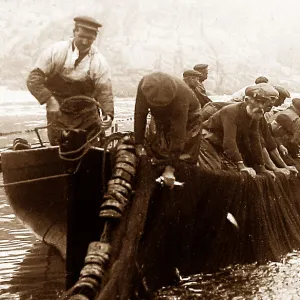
265, 171
292, 169
169, 177
250, 171
140, 150
284, 171
52, 105
106, 122
283, 150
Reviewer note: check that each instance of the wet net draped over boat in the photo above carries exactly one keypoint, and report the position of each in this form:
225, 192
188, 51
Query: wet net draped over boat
187, 227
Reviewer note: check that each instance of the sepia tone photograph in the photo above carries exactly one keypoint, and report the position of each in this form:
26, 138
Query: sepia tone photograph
149, 150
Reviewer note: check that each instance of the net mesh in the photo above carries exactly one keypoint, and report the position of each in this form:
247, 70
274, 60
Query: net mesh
187, 227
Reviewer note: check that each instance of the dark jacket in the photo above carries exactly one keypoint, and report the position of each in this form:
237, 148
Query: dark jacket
200, 92
233, 131
179, 121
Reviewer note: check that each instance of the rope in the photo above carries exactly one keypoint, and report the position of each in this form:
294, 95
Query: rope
115, 121
85, 147
82, 97
34, 180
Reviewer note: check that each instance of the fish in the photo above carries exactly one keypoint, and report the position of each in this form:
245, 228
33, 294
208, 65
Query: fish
232, 220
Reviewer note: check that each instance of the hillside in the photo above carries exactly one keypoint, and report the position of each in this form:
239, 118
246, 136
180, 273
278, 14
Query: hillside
140, 36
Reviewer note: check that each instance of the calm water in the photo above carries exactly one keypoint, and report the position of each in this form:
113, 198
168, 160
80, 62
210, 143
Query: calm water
28, 268
32, 270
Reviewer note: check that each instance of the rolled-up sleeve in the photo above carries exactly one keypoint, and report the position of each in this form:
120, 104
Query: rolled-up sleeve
103, 86
37, 77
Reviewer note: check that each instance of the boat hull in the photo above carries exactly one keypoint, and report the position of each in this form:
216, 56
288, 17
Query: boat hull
40, 205
41, 187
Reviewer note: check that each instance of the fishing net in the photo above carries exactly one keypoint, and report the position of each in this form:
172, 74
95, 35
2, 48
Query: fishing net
187, 228
76, 113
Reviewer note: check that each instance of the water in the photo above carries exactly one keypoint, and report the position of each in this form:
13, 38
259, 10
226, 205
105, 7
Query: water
28, 268
31, 270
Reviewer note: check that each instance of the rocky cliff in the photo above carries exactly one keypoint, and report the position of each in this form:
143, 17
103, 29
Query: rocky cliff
239, 41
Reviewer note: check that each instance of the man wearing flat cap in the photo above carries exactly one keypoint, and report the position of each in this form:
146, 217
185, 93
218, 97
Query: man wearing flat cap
231, 135
74, 68
239, 95
261, 79
290, 142
283, 94
200, 89
191, 78
176, 113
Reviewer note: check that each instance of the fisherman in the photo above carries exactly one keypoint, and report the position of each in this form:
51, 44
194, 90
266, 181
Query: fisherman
282, 129
210, 108
290, 143
191, 78
231, 135
270, 146
176, 113
283, 94
240, 94
74, 68
200, 89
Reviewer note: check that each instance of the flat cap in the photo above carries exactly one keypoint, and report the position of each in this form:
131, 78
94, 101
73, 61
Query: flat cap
191, 73
285, 122
262, 90
159, 89
200, 67
261, 79
296, 103
87, 22
282, 91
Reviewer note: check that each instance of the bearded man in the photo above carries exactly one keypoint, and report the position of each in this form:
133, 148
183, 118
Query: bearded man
232, 134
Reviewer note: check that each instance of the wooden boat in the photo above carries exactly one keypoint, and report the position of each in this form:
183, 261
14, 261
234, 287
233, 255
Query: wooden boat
38, 184
60, 201
40, 205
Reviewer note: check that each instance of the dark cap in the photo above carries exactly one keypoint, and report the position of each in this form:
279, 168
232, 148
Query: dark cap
262, 90
285, 122
296, 103
200, 67
261, 79
159, 89
191, 73
87, 22
283, 93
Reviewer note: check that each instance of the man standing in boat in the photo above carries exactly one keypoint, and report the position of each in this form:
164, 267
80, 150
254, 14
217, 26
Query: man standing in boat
74, 68
176, 113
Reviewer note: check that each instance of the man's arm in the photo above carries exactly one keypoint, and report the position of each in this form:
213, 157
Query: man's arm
36, 81
230, 147
179, 119
266, 135
200, 92
140, 116
103, 87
